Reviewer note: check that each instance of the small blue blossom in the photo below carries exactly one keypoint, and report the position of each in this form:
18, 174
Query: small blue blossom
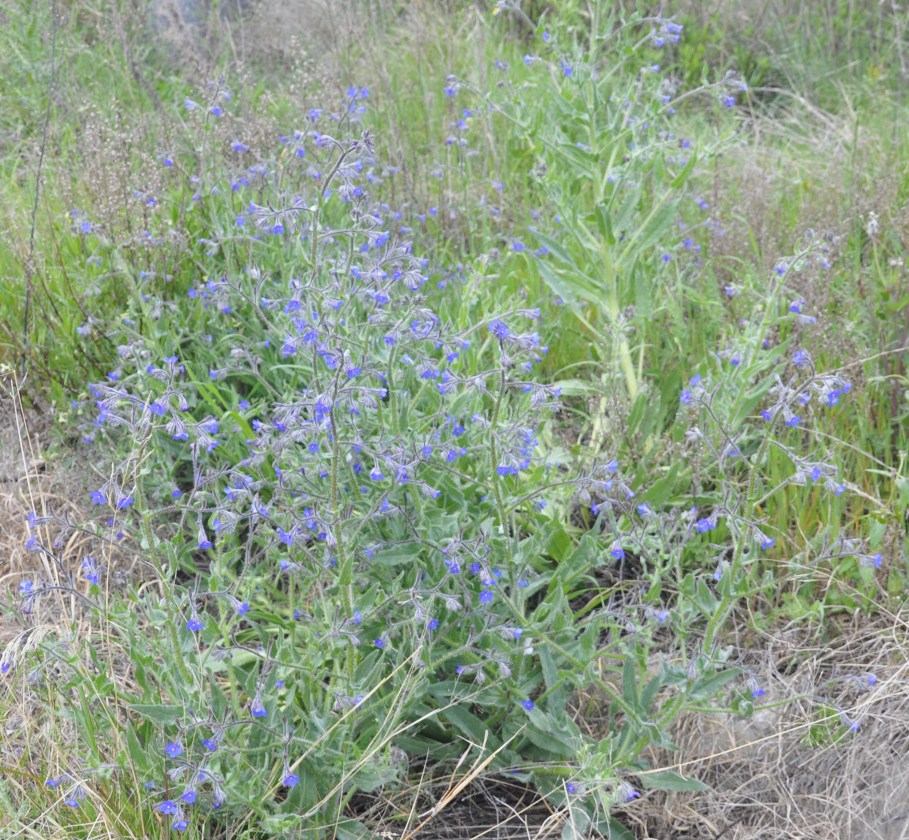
627, 792
90, 570
708, 523
172, 750
75, 797
801, 358
499, 329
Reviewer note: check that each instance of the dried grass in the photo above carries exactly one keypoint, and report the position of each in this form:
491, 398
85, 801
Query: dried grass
775, 775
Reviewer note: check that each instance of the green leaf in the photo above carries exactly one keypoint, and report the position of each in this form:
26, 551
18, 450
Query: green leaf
604, 225
669, 780
545, 735
709, 685
136, 753
470, 725
630, 684
373, 775
576, 387
650, 692
616, 831
351, 830
651, 231
398, 556
707, 602
680, 179
571, 285
162, 713
550, 670
556, 249
659, 491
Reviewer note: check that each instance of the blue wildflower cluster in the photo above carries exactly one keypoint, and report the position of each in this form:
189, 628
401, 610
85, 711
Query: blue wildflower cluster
335, 455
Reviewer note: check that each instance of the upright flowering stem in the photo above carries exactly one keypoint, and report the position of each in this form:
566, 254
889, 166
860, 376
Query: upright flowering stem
171, 625
729, 595
345, 563
494, 452
613, 310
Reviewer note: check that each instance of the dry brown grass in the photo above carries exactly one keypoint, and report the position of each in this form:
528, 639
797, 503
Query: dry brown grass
785, 774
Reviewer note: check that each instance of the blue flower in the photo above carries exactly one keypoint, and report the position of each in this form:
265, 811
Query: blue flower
379, 643
172, 750
528, 704
708, 523
499, 329
168, 806
801, 358
75, 796
628, 792
90, 569
291, 780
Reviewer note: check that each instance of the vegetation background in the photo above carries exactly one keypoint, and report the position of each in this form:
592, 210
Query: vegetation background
631, 558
